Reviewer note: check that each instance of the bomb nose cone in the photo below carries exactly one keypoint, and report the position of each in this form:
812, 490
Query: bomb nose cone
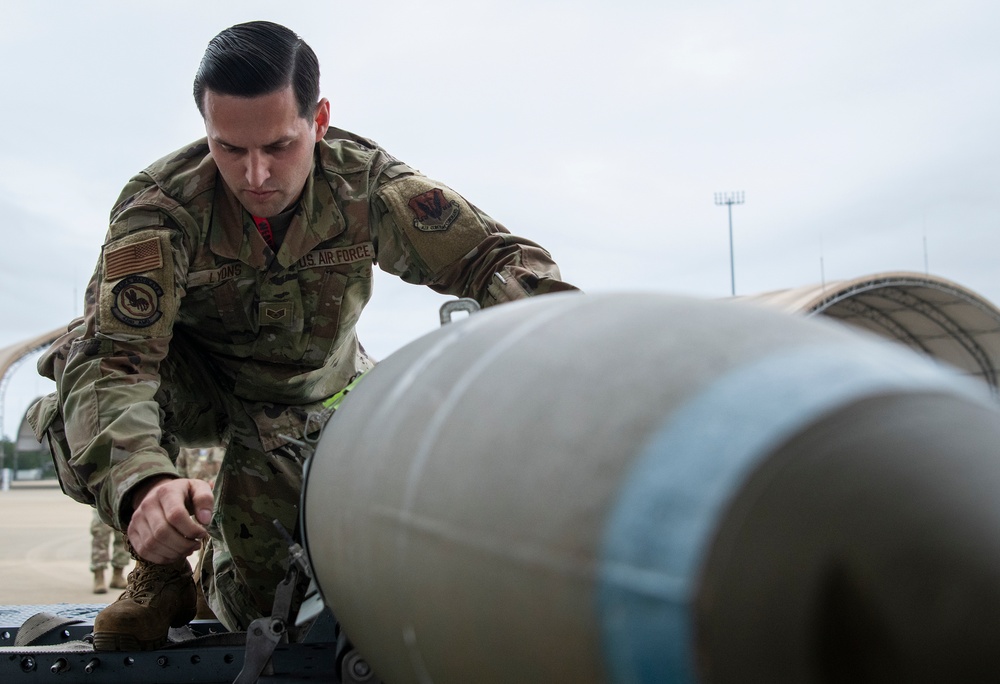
866, 549
651, 489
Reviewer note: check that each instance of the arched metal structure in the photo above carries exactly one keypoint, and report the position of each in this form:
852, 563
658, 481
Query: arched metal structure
11, 356
931, 315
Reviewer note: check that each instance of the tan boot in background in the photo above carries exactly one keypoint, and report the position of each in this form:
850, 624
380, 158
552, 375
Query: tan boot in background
117, 578
156, 598
99, 586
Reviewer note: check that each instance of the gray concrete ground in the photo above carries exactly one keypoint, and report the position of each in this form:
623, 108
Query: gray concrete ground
45, 547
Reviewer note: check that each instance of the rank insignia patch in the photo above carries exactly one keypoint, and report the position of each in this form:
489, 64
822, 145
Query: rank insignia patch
433, 210
272, 313
136, 301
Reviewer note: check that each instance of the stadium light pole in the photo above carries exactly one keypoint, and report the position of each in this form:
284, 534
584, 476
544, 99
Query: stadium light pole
729, 199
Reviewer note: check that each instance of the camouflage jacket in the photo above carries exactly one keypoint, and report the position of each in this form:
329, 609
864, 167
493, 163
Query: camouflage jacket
183, 256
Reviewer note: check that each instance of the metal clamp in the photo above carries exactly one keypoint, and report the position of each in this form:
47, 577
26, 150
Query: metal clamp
265, 633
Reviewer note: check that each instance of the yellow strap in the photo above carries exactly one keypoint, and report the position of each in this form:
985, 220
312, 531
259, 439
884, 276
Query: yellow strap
333, 402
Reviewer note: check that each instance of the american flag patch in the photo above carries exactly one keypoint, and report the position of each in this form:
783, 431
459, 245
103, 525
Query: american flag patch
135, 258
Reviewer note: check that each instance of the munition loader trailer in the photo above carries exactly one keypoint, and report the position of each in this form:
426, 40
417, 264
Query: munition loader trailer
636, 488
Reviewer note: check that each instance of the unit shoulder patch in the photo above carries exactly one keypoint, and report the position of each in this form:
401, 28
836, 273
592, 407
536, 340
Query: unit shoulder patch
136, 301
433, 211
439, 223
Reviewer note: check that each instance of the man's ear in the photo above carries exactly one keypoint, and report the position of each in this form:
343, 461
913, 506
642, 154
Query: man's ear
322, 118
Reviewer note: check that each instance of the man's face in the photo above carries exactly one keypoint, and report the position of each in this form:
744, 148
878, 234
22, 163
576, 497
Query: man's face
263, 148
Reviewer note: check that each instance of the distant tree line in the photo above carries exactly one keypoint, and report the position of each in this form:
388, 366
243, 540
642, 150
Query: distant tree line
26, 460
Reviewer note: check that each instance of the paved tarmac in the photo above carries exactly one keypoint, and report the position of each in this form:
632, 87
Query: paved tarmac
45, 548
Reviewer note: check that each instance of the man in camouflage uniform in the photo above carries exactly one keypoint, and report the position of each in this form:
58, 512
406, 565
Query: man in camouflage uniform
223, 310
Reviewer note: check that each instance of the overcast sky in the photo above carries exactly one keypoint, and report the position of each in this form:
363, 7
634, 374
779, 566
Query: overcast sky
859, 131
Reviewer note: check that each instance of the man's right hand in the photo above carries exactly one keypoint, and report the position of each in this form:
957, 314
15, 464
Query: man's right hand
162, 529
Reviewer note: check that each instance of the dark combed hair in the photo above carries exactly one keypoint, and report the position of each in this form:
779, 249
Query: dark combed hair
258, 58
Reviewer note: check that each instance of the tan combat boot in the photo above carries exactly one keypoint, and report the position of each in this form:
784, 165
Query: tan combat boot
117, 578
157, 598
99, 586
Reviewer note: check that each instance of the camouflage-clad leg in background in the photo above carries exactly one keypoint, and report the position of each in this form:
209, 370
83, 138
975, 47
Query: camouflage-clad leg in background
201, 463
107, 545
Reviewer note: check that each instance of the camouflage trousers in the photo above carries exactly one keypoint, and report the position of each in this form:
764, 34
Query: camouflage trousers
246, 556
104, 539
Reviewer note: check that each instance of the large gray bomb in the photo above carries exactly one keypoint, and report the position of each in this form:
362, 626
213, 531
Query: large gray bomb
644, 488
